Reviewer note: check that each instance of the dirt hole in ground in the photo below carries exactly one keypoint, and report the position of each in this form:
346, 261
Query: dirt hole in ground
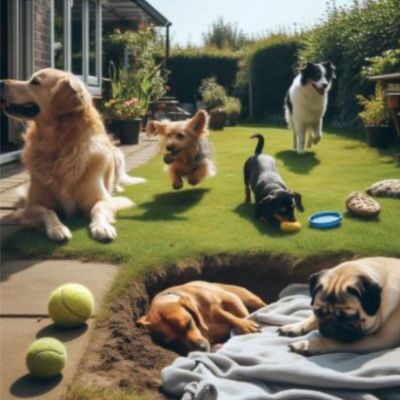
123, 355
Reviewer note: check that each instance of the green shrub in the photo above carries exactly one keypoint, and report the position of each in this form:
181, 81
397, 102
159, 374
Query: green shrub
270, 67
212, 93
189, 67
348, 37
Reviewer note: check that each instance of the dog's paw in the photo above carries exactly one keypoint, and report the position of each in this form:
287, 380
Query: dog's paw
177, 185
103, 231
291, 330
248, 326
303, 347
316, 139
59, 233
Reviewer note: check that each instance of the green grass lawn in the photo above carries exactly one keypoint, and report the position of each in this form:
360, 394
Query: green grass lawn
212, 218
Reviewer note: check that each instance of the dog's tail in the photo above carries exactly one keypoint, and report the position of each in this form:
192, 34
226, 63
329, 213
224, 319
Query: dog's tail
260, 144
121, 203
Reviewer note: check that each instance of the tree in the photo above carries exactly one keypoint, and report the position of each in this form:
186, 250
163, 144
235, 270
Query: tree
224, 35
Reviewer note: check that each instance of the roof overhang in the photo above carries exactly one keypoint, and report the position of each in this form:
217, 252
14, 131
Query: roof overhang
133, 10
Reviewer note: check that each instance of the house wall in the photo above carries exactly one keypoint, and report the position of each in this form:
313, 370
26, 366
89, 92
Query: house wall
42, 34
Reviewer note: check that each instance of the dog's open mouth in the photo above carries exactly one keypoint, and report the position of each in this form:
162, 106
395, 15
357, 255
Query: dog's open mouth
23, 110
321, 91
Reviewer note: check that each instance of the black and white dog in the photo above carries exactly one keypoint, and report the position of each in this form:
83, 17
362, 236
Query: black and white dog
306, 102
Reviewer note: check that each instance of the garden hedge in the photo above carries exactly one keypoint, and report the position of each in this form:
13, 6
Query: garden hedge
189, 68
271, 72
348, 36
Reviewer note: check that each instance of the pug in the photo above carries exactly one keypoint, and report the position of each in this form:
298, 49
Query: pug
356, 308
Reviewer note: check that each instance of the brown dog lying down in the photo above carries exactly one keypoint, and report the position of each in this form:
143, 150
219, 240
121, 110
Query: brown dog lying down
72, 163
198, 314
188, 150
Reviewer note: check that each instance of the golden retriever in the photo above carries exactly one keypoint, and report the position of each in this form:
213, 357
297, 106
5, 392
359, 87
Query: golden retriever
188, 150
72, 162
198, 314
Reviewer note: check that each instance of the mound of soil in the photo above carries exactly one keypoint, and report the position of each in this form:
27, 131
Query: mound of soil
125, 356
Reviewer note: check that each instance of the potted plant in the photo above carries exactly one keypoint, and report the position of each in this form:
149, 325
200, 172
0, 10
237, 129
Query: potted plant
233, 108
214, 97
133, 88
125, 119
375, 119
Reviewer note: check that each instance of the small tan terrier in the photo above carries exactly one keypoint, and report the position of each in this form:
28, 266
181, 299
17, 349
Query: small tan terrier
188, 152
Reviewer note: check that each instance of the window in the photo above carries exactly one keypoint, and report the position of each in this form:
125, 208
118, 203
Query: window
76, 39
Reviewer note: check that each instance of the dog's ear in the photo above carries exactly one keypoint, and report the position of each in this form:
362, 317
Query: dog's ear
198, 124
330, 68
297, 199
314, 283
68, 96
156, 128
305, 72
143, 322
369, 293
191, 306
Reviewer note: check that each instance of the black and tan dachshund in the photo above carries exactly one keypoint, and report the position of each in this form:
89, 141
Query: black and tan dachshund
274, 202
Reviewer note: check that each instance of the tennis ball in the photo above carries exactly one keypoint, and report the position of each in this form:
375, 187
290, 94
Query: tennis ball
290, 227
70, 305
46, 357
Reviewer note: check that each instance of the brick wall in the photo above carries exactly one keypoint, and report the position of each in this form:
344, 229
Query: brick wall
42, 34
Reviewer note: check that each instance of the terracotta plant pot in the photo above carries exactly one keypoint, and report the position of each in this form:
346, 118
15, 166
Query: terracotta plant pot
129, 131
217, 119
378, 136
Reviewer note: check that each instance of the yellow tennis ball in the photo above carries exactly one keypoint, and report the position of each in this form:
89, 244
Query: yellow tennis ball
290, 227
71, 305
46, 357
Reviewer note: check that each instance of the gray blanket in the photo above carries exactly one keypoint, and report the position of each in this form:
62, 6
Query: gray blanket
260, 367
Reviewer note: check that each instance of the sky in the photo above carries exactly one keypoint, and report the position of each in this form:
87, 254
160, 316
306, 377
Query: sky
191, 18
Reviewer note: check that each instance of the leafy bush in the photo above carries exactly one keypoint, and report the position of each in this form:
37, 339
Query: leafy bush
145, 79
233, 108
212, 93
189, 67
347, 37
387, 62
269, 66
224, 35
374, 112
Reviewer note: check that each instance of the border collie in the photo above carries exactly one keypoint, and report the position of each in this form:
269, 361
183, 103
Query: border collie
306, 102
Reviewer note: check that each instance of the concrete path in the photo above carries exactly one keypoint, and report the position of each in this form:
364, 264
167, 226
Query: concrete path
25, 286
24, 291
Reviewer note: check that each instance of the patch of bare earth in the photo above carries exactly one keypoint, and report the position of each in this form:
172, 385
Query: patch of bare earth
124, 356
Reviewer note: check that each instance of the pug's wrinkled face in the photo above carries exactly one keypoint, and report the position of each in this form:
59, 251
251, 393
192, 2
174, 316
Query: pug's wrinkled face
346, 304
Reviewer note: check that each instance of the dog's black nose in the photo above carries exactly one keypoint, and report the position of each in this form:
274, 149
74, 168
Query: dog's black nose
170, 148
324, 85
203, 345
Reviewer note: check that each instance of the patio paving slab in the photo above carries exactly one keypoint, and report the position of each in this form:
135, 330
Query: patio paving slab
16, 334
26, 285
24, 290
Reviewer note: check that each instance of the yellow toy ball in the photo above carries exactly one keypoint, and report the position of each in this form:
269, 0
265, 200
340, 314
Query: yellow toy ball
46, 358
70, 305
290, 227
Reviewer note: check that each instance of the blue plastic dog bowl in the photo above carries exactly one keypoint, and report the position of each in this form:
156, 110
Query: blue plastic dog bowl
325, 220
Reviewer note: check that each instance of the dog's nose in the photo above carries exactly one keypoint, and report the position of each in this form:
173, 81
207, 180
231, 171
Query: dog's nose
170, 147
324, 85
203, 345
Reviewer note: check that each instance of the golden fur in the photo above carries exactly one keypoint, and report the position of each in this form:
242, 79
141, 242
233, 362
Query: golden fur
72, 162
199, 313
187, 147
